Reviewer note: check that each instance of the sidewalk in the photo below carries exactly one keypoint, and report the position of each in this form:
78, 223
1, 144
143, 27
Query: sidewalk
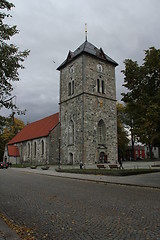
142, 180
6, 233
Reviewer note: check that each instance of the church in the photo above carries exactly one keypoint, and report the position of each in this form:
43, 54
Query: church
85, 129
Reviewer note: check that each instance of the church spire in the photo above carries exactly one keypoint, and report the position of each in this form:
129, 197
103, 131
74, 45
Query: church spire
85, 31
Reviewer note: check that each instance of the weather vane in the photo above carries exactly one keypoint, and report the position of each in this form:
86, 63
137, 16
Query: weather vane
86, 31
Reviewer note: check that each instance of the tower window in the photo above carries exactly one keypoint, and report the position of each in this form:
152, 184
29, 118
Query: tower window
101, 132
98, 85
102, 86
69, 88
72, 87
71, 133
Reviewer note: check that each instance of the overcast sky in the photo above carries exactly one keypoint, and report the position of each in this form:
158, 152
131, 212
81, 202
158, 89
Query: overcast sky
50, 28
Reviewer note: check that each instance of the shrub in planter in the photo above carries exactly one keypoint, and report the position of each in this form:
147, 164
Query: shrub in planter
33, 167
45, 167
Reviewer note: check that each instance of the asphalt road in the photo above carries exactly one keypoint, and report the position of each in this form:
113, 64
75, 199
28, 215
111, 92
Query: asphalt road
46, 207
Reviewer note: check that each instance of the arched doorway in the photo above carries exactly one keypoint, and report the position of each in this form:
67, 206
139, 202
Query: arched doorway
70, 158
102, 157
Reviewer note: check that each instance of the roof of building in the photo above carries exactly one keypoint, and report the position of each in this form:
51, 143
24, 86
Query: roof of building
40, 128
136, 147
13, 151
88, 48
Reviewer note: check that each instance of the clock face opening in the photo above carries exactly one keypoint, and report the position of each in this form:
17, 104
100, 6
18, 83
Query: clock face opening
71, 69
99, 67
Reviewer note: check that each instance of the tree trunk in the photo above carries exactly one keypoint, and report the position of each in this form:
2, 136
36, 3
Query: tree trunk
150, 152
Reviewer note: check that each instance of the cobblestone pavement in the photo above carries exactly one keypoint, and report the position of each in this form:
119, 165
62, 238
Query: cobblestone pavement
46, 207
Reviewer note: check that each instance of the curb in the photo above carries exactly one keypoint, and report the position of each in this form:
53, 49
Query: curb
94, 180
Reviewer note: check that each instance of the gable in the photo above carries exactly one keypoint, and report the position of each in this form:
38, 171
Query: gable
13, 151
90, 49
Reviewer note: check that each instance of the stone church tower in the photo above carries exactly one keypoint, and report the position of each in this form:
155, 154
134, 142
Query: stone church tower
88, 106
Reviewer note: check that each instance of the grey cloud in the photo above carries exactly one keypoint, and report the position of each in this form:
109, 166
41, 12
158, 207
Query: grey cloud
50, 28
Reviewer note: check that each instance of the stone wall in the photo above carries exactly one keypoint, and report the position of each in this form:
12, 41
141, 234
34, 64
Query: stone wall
43, 150
53, 145
85, 108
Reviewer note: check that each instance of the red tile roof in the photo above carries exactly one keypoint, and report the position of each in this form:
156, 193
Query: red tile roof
13, 151
40, 128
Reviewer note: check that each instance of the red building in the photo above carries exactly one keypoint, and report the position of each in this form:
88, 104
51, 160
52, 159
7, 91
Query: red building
139, 153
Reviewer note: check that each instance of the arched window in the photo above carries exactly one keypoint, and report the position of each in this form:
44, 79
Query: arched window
35, 148
71, 133
101, 132
69, 88
98, 85
42, 147
72, 87
70, 158
29, 149
102, 86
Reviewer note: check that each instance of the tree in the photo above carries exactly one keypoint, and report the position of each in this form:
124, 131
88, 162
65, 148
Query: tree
11, 57
121, 131
8, 129
143, 97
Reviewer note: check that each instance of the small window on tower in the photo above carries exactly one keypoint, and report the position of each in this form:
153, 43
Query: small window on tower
102, 86
69, 88
72, 87
98, 85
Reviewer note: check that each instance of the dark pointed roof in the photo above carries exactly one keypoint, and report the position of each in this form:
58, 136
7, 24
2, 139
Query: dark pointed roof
88, 48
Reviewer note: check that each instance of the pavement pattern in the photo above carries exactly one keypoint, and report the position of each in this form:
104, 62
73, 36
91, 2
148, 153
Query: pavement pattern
49, 207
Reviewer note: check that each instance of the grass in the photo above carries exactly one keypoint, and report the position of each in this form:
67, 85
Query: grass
109, 172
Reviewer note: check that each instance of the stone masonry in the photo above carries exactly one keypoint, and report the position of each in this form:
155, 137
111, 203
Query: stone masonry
88, 107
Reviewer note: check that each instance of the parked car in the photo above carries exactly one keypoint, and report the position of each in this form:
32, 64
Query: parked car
3, 165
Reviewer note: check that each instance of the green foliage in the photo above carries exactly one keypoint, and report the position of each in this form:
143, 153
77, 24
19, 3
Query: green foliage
143, 97
9, 127
11, 57
121, 131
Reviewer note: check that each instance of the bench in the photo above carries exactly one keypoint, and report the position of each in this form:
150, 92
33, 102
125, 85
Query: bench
100, 166
113, 166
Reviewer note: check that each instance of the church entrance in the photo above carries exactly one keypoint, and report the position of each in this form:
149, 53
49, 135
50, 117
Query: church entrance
102, 157
70, 158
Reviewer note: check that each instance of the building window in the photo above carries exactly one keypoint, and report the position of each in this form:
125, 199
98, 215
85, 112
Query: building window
102, 86
69, 88
71, 133
98, 85
71, 69
70, 158
72, 87
101, 132
42, 147
29, 149
35, 148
